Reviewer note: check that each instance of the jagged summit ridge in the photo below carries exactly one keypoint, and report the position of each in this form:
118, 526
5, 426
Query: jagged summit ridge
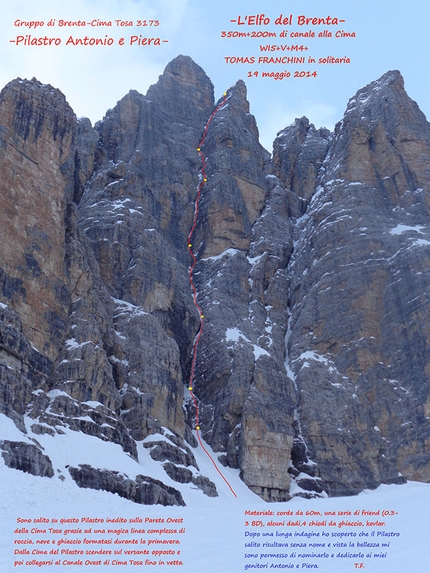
387, 137
385, 94
313, 368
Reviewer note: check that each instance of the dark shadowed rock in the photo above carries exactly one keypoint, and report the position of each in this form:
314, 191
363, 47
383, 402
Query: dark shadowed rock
143, 489
26, 458
161, 451
184, 475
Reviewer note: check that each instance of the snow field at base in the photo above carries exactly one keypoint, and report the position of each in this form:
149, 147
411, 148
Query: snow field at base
215, 532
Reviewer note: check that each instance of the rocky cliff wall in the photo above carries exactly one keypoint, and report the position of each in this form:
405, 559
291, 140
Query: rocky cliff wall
313, 367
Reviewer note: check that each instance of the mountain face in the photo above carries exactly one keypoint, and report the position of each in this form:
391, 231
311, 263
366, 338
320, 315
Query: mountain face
313, 367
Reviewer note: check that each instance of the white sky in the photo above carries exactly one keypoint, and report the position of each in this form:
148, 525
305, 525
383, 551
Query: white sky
95, 78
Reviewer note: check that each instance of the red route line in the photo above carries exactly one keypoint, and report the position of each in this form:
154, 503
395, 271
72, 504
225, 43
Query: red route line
193, 288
